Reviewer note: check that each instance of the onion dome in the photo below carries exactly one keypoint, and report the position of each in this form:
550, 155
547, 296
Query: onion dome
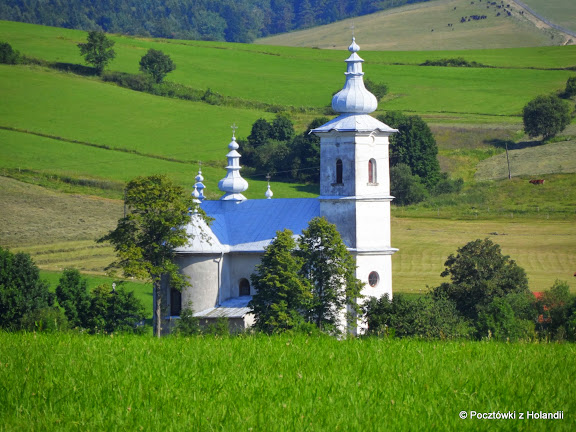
233, 184
354, 98
269, 194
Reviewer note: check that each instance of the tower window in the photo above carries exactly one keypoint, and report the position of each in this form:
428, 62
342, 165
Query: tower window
372, 178
373, 279
244, 287
339, 171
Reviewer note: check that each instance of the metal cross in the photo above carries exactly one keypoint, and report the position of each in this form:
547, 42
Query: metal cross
234, 127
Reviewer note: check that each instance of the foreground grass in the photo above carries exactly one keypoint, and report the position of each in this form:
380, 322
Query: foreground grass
78, 382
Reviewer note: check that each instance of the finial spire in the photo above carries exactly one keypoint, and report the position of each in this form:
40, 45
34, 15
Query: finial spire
233, 184
269, 194
354, 98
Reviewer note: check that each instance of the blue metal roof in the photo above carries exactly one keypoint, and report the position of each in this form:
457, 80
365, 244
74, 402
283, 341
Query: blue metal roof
250, 225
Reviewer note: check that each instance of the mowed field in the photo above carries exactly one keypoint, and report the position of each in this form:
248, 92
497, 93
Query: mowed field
437, 25
82, 382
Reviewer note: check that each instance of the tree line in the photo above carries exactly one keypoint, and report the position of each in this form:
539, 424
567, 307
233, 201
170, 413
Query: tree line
215, 20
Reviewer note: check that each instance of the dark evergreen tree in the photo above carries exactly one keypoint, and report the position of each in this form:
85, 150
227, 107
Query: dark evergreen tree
330, 269
404, 187
282, 296
7, 54
21, 289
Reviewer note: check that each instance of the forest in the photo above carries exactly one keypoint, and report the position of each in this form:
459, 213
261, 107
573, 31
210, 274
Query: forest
212, 20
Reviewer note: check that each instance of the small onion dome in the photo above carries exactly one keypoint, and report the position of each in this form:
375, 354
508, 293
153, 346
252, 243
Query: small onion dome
199, 187
354, 98
269, 194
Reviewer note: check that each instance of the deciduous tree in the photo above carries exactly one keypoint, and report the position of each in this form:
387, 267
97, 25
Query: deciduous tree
479, 272
413, 145
97, 50
156, 64
145, 239
546, 115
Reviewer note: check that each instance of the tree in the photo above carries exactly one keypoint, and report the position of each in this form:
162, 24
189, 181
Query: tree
21, 290
97, 51
413, 145
330, 269
146, 237
479, 272
546, 115
73, 297
7, 54
114, 311
282, 294
156, 64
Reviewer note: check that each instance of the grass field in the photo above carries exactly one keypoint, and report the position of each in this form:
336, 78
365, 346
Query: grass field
78, 382
560, 12
424, 26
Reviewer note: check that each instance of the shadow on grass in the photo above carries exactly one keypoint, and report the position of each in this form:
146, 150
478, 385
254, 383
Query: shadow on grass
500, 143
75, 68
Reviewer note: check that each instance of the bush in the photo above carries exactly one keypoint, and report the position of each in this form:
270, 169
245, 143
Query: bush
405, 187
424, 317
188, 325
557, 308
8, 55
498, 320
377, 89
48, 319
570, 89
132, 81
114, 311
446, 185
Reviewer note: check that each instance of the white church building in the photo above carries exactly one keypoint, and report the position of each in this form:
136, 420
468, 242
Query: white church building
354, 195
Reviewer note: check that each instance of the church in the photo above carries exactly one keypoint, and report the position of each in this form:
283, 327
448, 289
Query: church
354, 195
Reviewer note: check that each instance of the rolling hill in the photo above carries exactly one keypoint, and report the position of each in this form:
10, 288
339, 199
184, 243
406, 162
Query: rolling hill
442, 25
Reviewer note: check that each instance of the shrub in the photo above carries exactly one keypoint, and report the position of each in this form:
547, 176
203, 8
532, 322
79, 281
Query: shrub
48, 319
405, 187
8, 55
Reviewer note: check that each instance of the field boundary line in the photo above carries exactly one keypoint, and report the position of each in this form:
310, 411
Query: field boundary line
99, 146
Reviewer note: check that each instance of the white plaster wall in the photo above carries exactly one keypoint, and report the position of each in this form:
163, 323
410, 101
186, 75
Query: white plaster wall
341, 213
373, 224
202, 271
238, 266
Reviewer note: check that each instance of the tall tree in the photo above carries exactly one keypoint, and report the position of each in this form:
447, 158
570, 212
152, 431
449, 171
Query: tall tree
97, 50
156, 64
331, 269
146, 237
546, 115
282, 295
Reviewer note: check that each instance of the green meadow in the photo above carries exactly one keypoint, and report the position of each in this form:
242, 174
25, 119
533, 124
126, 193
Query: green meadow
80, 382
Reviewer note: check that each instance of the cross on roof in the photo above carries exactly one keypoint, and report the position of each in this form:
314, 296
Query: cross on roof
234, 127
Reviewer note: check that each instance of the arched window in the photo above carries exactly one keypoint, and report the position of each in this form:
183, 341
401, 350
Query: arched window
339, 171
372, 178
244, 287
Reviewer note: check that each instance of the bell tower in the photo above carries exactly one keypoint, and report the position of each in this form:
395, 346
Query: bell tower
355, 178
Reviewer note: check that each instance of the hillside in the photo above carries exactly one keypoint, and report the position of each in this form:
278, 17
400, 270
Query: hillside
439, 25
